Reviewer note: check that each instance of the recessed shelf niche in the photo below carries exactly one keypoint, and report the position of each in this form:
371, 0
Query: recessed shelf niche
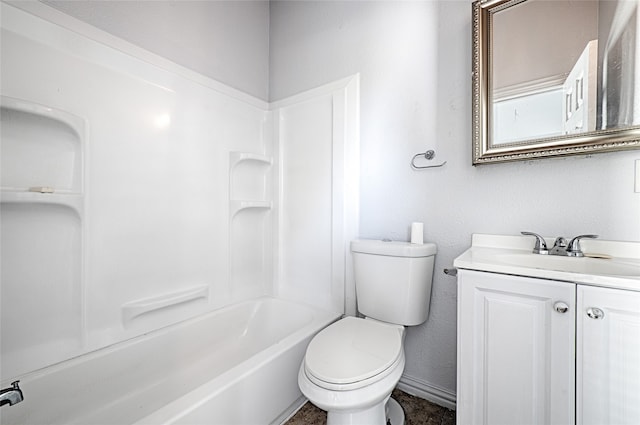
41, 147
41, 220
250, 234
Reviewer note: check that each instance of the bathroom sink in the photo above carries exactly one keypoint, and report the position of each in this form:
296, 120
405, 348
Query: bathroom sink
619, 268
584, 265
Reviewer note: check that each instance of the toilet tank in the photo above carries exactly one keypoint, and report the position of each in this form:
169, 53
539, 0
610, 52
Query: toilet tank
393, 280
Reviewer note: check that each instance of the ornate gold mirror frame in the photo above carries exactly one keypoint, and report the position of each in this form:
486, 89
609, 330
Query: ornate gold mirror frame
485, 151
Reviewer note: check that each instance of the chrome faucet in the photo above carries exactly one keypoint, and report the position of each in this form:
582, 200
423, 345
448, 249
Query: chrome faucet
11, 395
541, 244
560, 246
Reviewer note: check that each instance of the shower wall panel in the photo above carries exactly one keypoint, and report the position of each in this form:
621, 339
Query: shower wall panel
178, 196
41, 233
317, 139
153, 239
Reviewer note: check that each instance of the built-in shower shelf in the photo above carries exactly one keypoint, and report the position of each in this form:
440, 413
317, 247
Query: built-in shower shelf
71, 200
250, 194
40, 145
249, 176
237, 157
42, 221
237, 206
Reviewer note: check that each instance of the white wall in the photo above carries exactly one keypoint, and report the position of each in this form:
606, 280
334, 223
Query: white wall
224, 40
415, 65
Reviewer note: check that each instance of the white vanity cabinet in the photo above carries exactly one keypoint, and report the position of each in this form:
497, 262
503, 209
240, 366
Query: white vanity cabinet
548, 339
608, 356
516, 350
539, 351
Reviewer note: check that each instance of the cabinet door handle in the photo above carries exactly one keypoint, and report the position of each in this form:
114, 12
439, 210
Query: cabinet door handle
561, 307
595, 313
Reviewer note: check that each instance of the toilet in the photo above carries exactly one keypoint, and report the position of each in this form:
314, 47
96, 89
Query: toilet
351, 367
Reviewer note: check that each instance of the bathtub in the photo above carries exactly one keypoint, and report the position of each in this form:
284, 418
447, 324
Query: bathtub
236, 365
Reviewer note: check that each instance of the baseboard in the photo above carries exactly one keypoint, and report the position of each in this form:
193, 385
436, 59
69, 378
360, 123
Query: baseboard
427, 391
290, 411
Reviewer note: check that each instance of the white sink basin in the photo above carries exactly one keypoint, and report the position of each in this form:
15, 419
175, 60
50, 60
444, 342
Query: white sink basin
513, 255
583, 265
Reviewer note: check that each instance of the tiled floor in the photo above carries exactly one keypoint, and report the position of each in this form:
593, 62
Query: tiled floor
416, 410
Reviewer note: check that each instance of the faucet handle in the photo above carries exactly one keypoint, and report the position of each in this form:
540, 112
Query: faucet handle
540, 246
573, 250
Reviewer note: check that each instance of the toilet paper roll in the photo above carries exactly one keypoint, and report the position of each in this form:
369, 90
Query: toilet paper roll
417, 230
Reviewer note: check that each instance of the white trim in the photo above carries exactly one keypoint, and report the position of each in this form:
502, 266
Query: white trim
324, 90
291, 411
427, 391
11, 19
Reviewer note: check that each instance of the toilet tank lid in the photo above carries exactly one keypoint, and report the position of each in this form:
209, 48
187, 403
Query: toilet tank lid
393, 248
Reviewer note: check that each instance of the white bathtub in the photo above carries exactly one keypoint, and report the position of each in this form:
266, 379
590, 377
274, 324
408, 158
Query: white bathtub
237, 365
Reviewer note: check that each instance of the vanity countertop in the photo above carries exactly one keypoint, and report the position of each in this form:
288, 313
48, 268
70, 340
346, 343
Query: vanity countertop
513, 255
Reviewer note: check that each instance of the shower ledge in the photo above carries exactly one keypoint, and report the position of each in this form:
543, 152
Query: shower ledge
71, 200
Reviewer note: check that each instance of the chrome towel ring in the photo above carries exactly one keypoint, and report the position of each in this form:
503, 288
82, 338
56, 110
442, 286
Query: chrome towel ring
428, 155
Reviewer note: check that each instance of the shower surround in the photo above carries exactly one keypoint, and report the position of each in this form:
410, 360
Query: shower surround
139, 197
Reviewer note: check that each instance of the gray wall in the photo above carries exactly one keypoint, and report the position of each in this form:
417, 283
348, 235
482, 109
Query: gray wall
224, 40
415, 65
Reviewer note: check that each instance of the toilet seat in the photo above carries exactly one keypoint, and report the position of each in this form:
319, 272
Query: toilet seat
353, 353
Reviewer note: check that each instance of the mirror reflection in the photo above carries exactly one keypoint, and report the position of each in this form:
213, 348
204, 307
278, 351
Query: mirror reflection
563, 67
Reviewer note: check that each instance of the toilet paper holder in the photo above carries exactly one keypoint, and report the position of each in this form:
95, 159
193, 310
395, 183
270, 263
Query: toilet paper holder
428, 155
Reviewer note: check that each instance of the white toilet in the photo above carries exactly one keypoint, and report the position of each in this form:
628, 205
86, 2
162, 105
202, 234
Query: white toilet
351, 367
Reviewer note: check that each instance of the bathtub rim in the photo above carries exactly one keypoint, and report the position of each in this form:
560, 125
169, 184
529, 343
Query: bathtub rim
205, 392
200, 393
134, 340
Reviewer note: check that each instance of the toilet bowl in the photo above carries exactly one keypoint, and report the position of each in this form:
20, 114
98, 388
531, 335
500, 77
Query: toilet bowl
350, 369
352, 366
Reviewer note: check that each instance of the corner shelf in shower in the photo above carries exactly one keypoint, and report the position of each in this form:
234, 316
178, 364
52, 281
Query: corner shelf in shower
248, 185
236, 158
72, 200
250, 230
42, 220
249, 176
236, 206
41, 146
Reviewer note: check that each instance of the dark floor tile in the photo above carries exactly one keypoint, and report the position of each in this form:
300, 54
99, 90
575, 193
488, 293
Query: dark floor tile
417, 412
449, 417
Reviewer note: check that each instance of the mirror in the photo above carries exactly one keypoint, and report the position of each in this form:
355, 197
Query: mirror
555, 77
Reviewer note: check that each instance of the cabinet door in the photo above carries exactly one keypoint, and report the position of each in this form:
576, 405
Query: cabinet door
516, 350
608, 367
